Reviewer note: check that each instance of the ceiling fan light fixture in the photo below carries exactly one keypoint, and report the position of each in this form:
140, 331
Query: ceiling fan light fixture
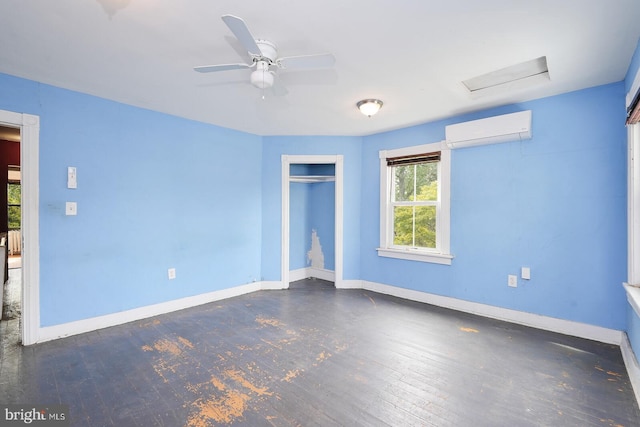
369, 107
262, 79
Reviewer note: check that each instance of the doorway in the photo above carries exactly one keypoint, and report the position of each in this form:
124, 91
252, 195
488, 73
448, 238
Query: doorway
336, 163
28, 128
10, 234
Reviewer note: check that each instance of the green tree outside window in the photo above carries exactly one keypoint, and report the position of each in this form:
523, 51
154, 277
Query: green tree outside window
415, 194
14, 200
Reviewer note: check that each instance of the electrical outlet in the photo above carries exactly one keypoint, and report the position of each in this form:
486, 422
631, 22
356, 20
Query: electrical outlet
513, 281
71, 208
171, 273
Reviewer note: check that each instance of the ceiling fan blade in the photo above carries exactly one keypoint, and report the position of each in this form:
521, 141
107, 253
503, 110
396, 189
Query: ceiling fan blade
221, 67
242, 33
323, 60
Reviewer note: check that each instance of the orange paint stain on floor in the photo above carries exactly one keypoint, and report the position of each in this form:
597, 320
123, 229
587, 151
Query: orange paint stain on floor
238, 378
271, 322
218, 409
341, 347
185, 342
322, 357
272, 344
221, 404
152, 323
463, 329
372, 301
167, 346
291, 375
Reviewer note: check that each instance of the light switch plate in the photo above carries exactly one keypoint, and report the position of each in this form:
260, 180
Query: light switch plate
71, 208
72, 179
525, 273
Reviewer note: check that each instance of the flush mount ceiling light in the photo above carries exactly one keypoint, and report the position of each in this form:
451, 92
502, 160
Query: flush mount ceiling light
369, 107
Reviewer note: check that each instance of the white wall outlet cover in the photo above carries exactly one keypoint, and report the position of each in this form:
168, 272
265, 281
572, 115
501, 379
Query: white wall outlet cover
171, 273
71, 208
512, 281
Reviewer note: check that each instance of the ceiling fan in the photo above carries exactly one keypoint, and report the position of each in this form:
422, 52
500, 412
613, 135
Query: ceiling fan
264, 57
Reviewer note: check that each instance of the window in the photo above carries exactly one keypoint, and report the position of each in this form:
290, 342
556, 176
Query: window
14, 197
13, 205
414, 203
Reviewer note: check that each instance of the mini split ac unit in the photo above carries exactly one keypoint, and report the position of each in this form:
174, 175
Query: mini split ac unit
492, 130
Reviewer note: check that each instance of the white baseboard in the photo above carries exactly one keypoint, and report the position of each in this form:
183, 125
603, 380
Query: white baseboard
350, 284
631, 362
273, 285
318, 273
566, 327
298, 274
49, 333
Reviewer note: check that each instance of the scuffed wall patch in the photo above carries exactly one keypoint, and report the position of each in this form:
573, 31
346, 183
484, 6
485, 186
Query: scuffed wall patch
315, 257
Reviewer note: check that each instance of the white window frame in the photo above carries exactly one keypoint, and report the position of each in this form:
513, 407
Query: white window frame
441, 254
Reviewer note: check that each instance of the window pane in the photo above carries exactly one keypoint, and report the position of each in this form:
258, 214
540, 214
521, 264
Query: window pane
13, 194
425, 226
403, 225
404, 181
427, 181
14, 217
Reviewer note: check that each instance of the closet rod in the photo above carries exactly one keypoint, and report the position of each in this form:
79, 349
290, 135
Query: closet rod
312, 178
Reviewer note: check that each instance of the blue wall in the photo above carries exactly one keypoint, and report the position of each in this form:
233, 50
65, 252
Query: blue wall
312, 207
555, 203
299, 224
154, 192
322, 211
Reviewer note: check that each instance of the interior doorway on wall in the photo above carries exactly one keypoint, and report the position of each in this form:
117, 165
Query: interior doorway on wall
312, 163
28, 126
11, 315
312, 221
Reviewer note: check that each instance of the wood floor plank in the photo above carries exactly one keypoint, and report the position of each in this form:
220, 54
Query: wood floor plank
316, 356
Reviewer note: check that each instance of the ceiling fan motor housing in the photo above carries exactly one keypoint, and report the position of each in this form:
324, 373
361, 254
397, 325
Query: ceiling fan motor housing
268, 49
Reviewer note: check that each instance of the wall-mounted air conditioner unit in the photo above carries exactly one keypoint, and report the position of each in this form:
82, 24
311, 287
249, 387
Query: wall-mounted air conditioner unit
492, 130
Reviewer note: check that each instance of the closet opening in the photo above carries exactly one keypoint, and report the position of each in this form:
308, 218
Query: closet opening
312, 219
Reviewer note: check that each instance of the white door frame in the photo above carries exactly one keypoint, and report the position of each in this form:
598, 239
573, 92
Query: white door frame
29, 126
287, 160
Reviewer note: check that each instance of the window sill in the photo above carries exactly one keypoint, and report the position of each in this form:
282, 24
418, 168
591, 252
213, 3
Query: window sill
414, 255
633, 296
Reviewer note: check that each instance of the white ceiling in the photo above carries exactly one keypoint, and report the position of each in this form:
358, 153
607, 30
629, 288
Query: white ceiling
411, 54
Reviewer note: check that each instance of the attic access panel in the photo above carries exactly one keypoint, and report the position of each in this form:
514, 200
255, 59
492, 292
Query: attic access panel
525, 72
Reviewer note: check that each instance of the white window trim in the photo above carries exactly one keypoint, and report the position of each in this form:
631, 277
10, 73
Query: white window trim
632, 285
440, 255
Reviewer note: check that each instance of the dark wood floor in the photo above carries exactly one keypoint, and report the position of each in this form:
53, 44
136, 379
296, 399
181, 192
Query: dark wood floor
316, 356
